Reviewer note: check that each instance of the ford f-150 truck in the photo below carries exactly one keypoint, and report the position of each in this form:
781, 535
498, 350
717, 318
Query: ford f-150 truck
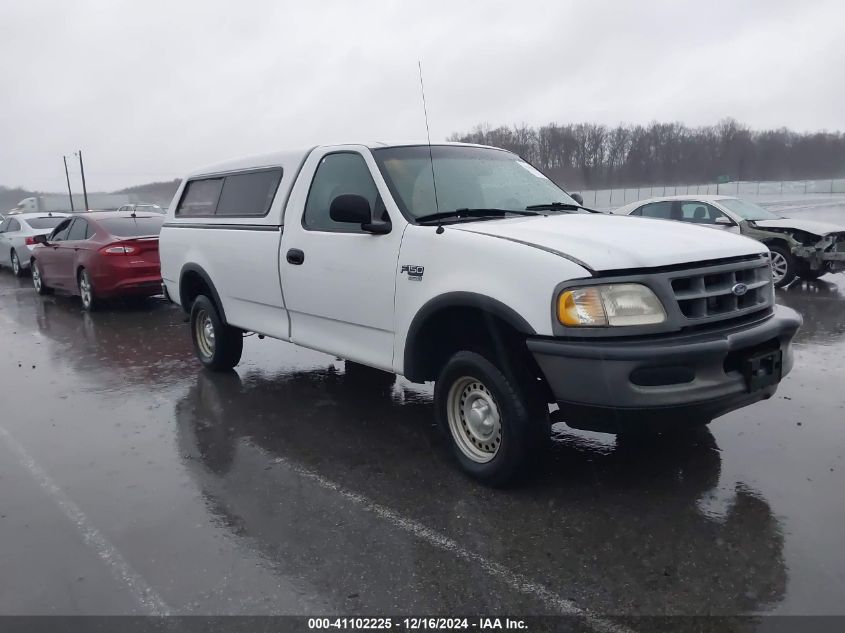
466, 266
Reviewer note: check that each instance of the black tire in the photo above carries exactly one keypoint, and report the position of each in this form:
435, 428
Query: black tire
222, 350
523, 419
368, 377
788, 263
37, 281
86, 291
17, 269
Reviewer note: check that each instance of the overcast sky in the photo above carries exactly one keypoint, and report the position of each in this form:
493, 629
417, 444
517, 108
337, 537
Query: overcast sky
149, 89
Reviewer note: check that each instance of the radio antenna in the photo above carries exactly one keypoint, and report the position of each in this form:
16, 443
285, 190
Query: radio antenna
428, 136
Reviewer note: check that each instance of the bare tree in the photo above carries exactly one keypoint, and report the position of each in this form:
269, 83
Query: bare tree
588, 154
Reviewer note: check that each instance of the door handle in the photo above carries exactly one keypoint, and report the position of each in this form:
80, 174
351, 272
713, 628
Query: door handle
295, 256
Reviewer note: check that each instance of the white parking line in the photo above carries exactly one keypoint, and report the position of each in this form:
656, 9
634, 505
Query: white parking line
514, 580
141, 591
154, 604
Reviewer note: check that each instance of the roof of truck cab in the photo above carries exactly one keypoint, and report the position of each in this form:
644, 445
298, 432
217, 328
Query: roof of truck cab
292, 159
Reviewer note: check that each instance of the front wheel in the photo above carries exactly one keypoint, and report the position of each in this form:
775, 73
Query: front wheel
38, 280
783, 265
16, 265
217, 345
489, 416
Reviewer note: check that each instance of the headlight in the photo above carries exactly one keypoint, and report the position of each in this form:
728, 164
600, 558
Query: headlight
611, 304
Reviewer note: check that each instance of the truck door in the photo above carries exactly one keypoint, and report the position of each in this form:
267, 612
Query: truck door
339, 281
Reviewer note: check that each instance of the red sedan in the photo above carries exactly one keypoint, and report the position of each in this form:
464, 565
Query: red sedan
99, 255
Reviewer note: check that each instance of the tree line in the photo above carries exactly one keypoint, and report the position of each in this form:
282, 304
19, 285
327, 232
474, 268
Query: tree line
592, 155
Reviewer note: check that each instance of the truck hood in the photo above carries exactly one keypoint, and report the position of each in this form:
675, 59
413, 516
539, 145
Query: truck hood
612, 242
810, 226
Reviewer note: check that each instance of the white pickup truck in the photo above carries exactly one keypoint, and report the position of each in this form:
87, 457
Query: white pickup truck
465, 265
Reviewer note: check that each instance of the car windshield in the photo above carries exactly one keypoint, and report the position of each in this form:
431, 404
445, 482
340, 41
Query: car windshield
44, 223
133, 227
465, 178
748, 210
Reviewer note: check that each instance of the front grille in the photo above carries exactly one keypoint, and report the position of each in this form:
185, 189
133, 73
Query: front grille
714, 293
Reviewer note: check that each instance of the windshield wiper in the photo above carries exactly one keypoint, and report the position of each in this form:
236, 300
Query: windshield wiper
472, 213
558, 206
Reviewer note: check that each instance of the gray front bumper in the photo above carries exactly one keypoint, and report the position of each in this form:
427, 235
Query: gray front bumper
593, 378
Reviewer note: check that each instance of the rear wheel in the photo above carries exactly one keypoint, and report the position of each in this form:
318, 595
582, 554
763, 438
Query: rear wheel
86, 291
37, 279
783, 265
493, 420
217, 345
16, 265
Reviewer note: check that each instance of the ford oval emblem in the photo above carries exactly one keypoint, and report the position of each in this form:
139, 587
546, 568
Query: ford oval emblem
739, 289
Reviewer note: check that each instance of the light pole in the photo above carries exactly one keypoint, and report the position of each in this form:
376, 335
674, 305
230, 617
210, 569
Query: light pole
69, 192
82, 171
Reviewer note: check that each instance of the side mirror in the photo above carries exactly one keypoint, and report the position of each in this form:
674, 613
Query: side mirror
40, 239
724, 220
354, 209
577, 197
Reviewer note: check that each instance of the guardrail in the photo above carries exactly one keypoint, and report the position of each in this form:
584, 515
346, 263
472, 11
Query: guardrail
616, 197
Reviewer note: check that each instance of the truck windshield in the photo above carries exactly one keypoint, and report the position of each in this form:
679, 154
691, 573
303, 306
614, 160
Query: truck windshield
748, 210
466, 178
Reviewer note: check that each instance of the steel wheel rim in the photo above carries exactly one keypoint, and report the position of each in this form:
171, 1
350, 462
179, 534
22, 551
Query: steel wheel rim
779, 266
474, 419
36, 277
204, 330
16, 264
85, 290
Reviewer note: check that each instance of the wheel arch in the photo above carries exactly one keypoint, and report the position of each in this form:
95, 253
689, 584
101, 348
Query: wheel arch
193, 280
441, 321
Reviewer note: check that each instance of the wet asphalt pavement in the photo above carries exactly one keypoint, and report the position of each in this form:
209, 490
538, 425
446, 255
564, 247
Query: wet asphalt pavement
132, 482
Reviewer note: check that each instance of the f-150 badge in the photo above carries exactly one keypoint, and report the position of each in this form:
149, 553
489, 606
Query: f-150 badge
415, 273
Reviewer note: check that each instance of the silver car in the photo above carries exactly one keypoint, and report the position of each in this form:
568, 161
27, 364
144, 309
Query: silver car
17, 233
799, 248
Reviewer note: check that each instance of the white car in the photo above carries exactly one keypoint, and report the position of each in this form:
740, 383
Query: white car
17, 237
802, 248
464, 265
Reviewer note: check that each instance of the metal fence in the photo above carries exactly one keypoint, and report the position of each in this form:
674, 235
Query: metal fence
616, 197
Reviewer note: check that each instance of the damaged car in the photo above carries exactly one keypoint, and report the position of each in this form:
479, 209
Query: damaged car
799, 248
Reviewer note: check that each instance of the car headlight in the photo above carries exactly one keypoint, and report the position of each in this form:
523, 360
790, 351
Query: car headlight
610, 305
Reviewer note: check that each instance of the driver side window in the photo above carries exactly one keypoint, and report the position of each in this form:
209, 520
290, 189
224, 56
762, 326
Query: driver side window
339, 174
60, 234
700, 213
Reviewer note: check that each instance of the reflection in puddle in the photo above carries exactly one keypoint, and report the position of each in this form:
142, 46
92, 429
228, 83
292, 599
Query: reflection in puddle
598, 513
